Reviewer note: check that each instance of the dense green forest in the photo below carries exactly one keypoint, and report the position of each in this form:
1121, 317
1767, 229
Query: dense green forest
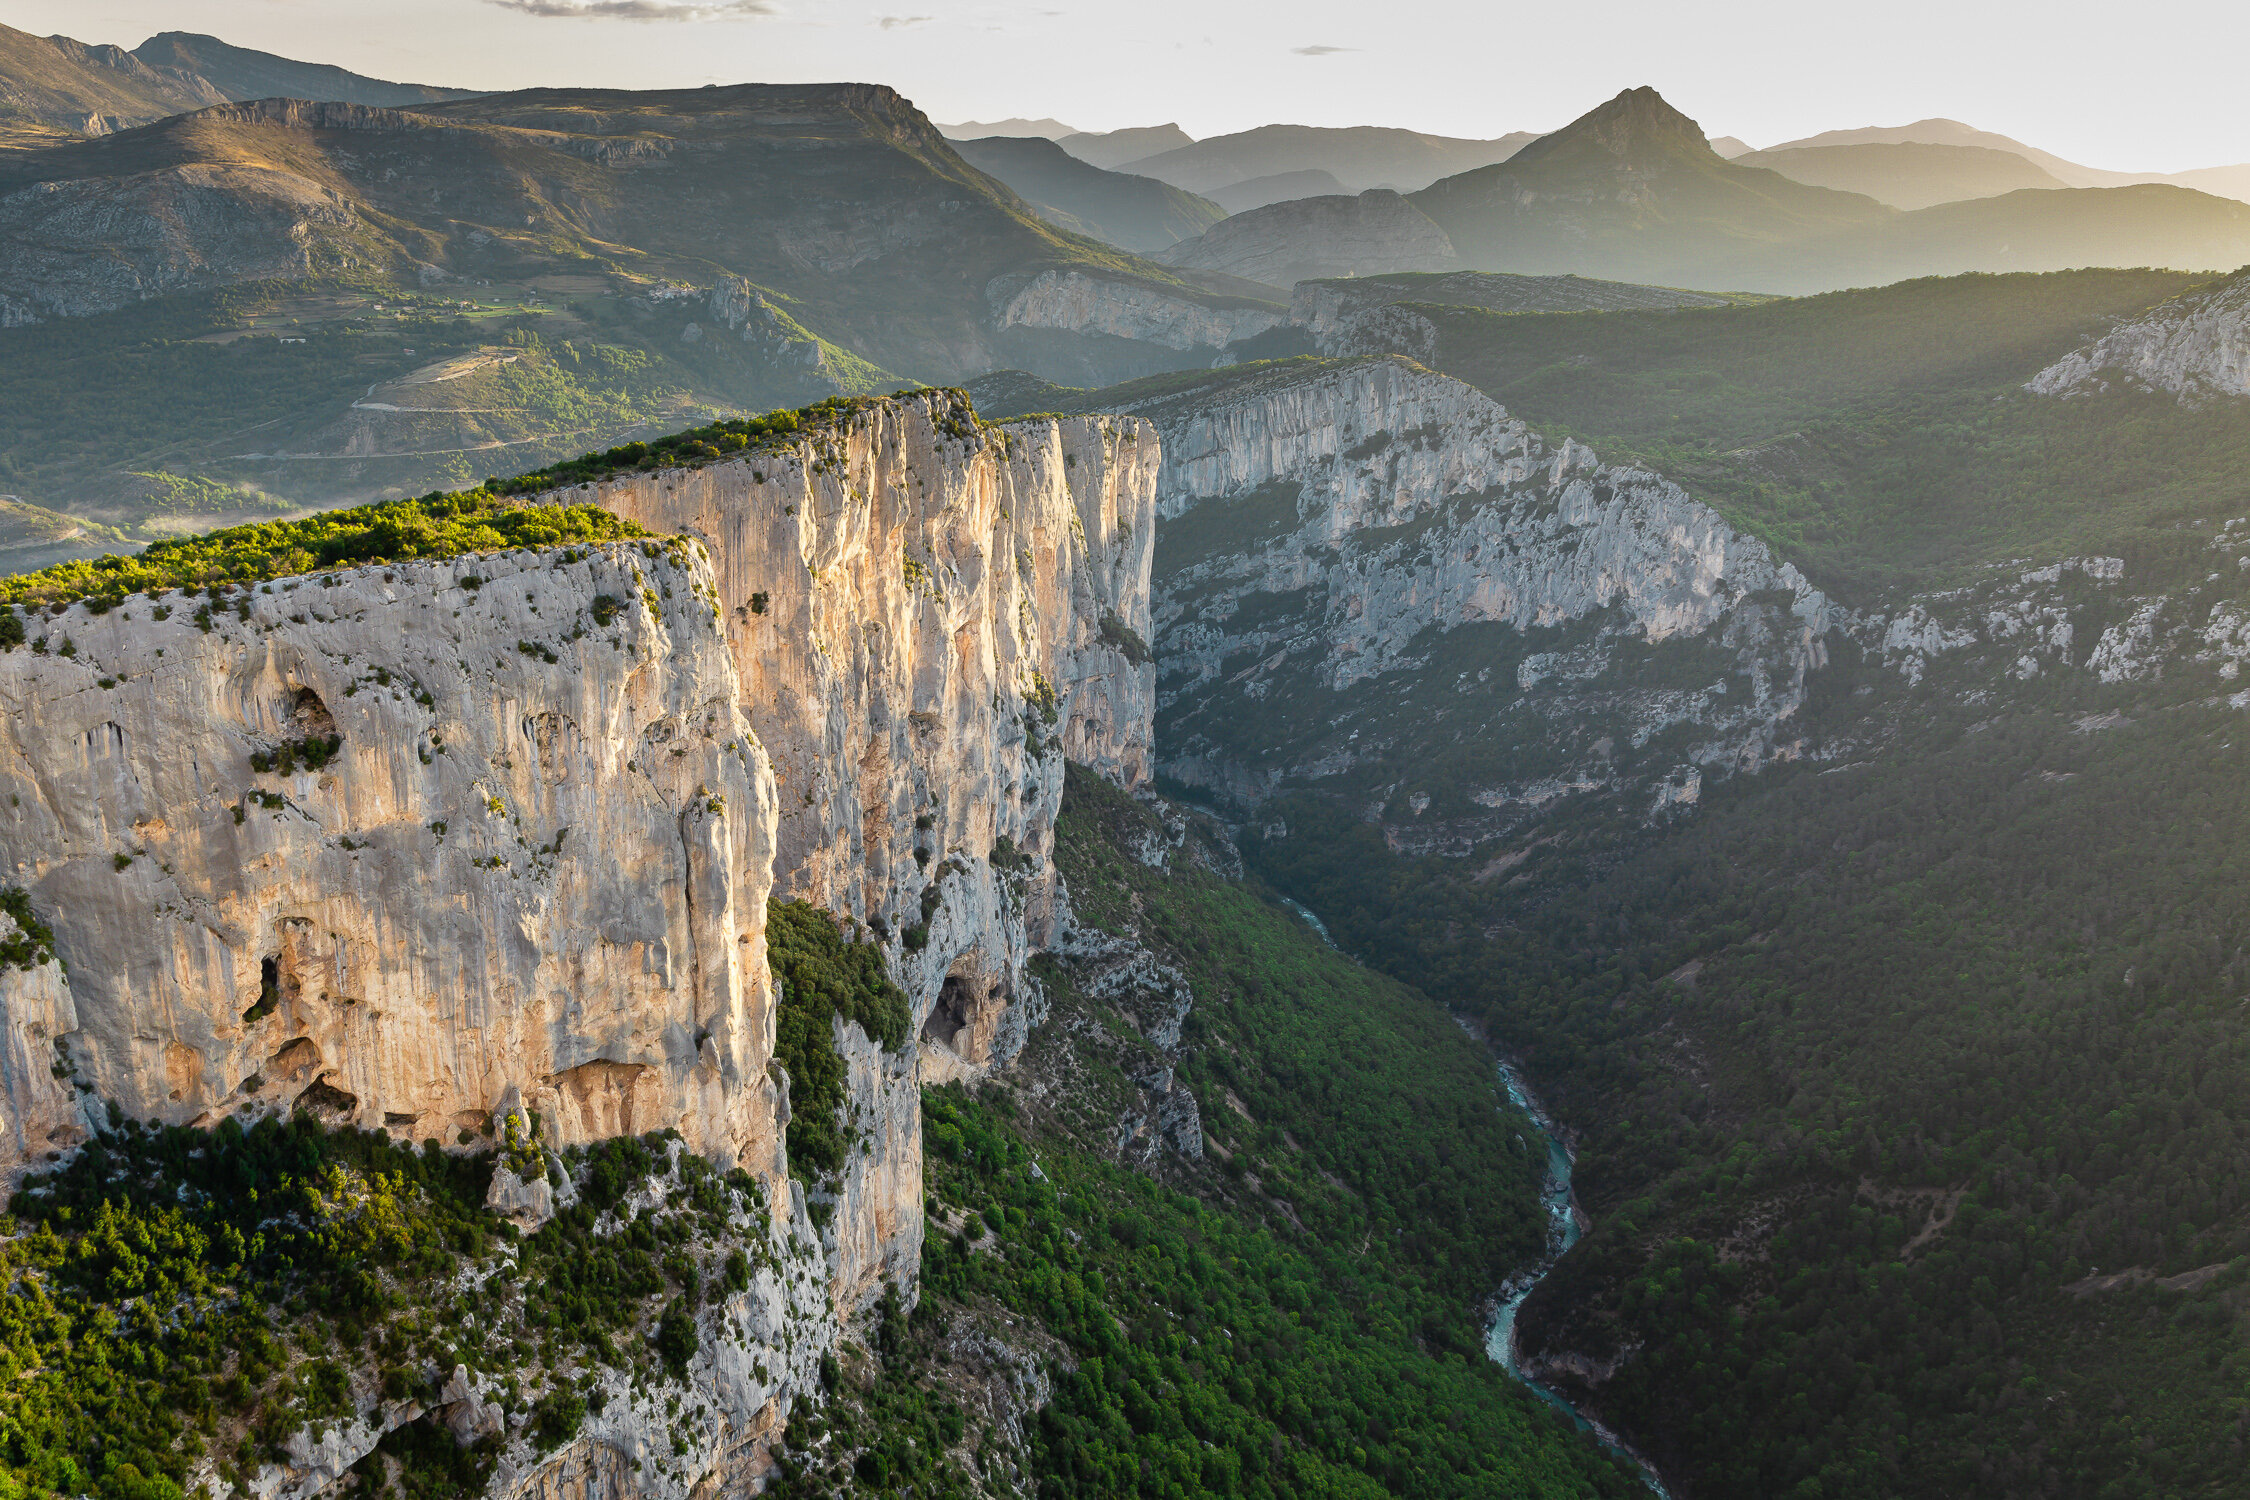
1877, 436
1875, 1067
1298, 1313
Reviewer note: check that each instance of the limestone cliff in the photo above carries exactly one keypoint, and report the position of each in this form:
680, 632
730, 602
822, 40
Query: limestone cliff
1075, 302
1363, 562
927, 617
2196, 346
420, 845
537, 857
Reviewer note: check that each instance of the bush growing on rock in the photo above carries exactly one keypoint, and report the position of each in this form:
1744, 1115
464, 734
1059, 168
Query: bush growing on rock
435, 526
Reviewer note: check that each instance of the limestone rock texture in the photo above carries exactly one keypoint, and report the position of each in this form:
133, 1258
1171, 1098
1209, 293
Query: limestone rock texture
2197, 346
478, 851
1329, 534
926, 616
1077, 303
536, 859
39, 1111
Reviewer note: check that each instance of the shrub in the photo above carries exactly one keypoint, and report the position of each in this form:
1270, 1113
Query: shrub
435, 526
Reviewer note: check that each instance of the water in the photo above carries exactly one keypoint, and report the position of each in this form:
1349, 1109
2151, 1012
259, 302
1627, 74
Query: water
1306, 912
1562, 1233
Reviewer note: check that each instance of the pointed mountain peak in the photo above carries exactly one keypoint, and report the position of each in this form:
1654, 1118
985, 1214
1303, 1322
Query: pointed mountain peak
1637, 128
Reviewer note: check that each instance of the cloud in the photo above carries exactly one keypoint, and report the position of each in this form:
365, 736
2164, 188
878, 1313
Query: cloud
892, 23
1320, 51
643, 10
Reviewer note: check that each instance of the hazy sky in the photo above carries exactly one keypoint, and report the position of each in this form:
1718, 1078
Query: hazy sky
2151, 87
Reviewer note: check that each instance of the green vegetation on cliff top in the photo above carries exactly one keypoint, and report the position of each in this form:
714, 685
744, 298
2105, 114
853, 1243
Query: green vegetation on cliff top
435, 526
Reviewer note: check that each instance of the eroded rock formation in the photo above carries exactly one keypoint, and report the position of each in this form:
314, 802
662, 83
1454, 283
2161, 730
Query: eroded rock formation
1329, 532
406, 845
927, 617
2196, 346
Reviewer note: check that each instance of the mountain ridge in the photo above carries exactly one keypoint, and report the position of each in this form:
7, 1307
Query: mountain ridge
1130, 212
59, 88
1631, 191
1359, 156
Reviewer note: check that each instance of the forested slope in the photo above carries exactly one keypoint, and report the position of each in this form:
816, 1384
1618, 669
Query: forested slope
1910, 1085
1287, 1301
1879, 437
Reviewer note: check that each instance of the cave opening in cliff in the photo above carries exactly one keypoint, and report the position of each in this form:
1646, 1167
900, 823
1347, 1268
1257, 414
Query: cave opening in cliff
269, 989
958, 999
309, 712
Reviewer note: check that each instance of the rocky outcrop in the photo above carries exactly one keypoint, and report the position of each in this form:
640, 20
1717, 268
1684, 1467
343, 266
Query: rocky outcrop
2196, 346
777, 339
1328, 531
927, 616
478, 851
40, 1113
2083, 617
1075, 302
1284, 243
758, 1346
177, 229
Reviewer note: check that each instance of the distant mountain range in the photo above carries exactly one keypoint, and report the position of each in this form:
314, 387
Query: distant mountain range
240, 73
56, 88
1906, 174
1114, 148
1312, 182
969, 130
572, 264
1632, 191
2226, 182
1358, 157
1134, 213
603, 261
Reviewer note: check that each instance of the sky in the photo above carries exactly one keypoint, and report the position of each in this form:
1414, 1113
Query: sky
2153, 87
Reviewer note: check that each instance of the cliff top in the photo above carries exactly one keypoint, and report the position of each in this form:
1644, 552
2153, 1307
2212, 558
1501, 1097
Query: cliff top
434, 526
496, 517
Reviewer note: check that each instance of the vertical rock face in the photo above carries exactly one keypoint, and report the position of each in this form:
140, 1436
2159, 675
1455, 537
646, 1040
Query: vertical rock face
1365, 561
927, 616
407, 845
537, 856
39, 1111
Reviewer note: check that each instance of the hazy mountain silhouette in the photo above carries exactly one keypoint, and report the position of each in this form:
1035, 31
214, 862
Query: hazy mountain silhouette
1135, 213
1114, 148
1358, 157
1909, 174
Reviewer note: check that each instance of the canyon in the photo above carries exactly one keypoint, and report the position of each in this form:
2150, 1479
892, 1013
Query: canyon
1364, 564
